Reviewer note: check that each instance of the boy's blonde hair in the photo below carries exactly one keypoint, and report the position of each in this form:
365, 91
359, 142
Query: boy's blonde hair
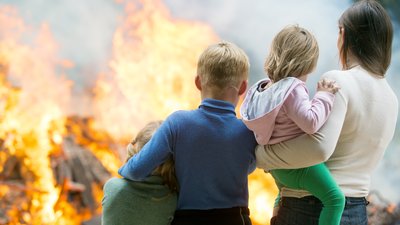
165, 170
223, 65
294, 52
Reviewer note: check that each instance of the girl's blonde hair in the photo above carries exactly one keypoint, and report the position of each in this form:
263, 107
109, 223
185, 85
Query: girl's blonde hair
294, 53
223, 65
165, 170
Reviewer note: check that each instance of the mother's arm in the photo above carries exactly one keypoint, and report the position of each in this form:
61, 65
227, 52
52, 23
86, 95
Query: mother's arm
305, 150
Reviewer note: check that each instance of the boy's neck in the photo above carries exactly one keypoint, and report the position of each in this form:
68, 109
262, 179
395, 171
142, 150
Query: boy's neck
229, 95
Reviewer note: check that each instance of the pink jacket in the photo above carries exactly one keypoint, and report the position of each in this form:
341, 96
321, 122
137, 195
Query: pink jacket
284, 111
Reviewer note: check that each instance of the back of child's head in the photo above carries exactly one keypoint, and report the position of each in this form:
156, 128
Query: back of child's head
165, 170
294, 52
223, 65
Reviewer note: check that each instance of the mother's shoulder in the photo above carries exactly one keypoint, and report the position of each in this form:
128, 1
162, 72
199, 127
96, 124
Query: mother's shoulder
334, 74
339, 76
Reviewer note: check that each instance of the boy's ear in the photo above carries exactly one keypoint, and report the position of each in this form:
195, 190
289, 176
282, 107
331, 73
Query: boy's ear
243, 87
197, 81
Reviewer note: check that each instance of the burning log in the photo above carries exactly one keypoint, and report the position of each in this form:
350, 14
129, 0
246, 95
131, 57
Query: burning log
15, 185
9, 168
77, 170
12, 203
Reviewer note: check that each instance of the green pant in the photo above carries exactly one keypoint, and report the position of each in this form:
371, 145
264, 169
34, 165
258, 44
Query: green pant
319, 182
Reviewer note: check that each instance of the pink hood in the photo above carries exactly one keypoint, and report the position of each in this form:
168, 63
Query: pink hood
261, 106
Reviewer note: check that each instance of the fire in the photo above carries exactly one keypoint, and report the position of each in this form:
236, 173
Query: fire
262, 196
151, 74
33, 98
153, 69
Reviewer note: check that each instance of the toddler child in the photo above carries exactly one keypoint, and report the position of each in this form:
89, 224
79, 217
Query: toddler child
279, 109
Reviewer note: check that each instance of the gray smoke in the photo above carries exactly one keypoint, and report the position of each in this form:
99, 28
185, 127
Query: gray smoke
253, 25
83, 29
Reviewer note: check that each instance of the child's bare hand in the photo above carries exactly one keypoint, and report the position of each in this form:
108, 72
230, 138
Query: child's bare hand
327, 85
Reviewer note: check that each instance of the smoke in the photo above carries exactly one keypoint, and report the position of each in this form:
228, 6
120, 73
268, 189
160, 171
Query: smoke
253, 25
84, 31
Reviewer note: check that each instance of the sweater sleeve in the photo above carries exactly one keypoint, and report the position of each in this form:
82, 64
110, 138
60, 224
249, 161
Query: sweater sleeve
305, 150
308, 115
153, 154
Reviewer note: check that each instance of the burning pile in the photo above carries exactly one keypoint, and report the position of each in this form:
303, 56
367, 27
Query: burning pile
39, 148
31, 121
53, 165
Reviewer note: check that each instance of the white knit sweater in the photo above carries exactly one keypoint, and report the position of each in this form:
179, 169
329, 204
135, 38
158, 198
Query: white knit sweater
352, 141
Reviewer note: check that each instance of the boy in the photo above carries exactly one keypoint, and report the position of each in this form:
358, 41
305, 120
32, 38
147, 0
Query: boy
212, 149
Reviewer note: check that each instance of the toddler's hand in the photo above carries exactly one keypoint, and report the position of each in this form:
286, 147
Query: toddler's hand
327, 85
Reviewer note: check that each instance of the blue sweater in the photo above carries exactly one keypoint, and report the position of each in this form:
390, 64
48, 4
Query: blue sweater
213, 153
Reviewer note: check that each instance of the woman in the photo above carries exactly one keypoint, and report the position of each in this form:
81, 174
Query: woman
359, 129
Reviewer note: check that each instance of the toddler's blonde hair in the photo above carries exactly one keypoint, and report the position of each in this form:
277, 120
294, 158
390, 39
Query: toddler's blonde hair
294, 52
165, 170
223, 65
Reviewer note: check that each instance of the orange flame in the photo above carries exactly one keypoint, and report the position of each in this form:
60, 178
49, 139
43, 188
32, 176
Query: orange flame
31, 112
153, 69
262, 191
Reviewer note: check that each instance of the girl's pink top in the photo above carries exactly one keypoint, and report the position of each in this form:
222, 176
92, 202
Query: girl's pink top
283, 110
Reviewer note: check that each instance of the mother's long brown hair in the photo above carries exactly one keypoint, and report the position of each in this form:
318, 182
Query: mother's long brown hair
368, 35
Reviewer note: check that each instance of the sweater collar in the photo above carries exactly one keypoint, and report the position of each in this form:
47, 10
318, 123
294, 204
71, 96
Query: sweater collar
215, 105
